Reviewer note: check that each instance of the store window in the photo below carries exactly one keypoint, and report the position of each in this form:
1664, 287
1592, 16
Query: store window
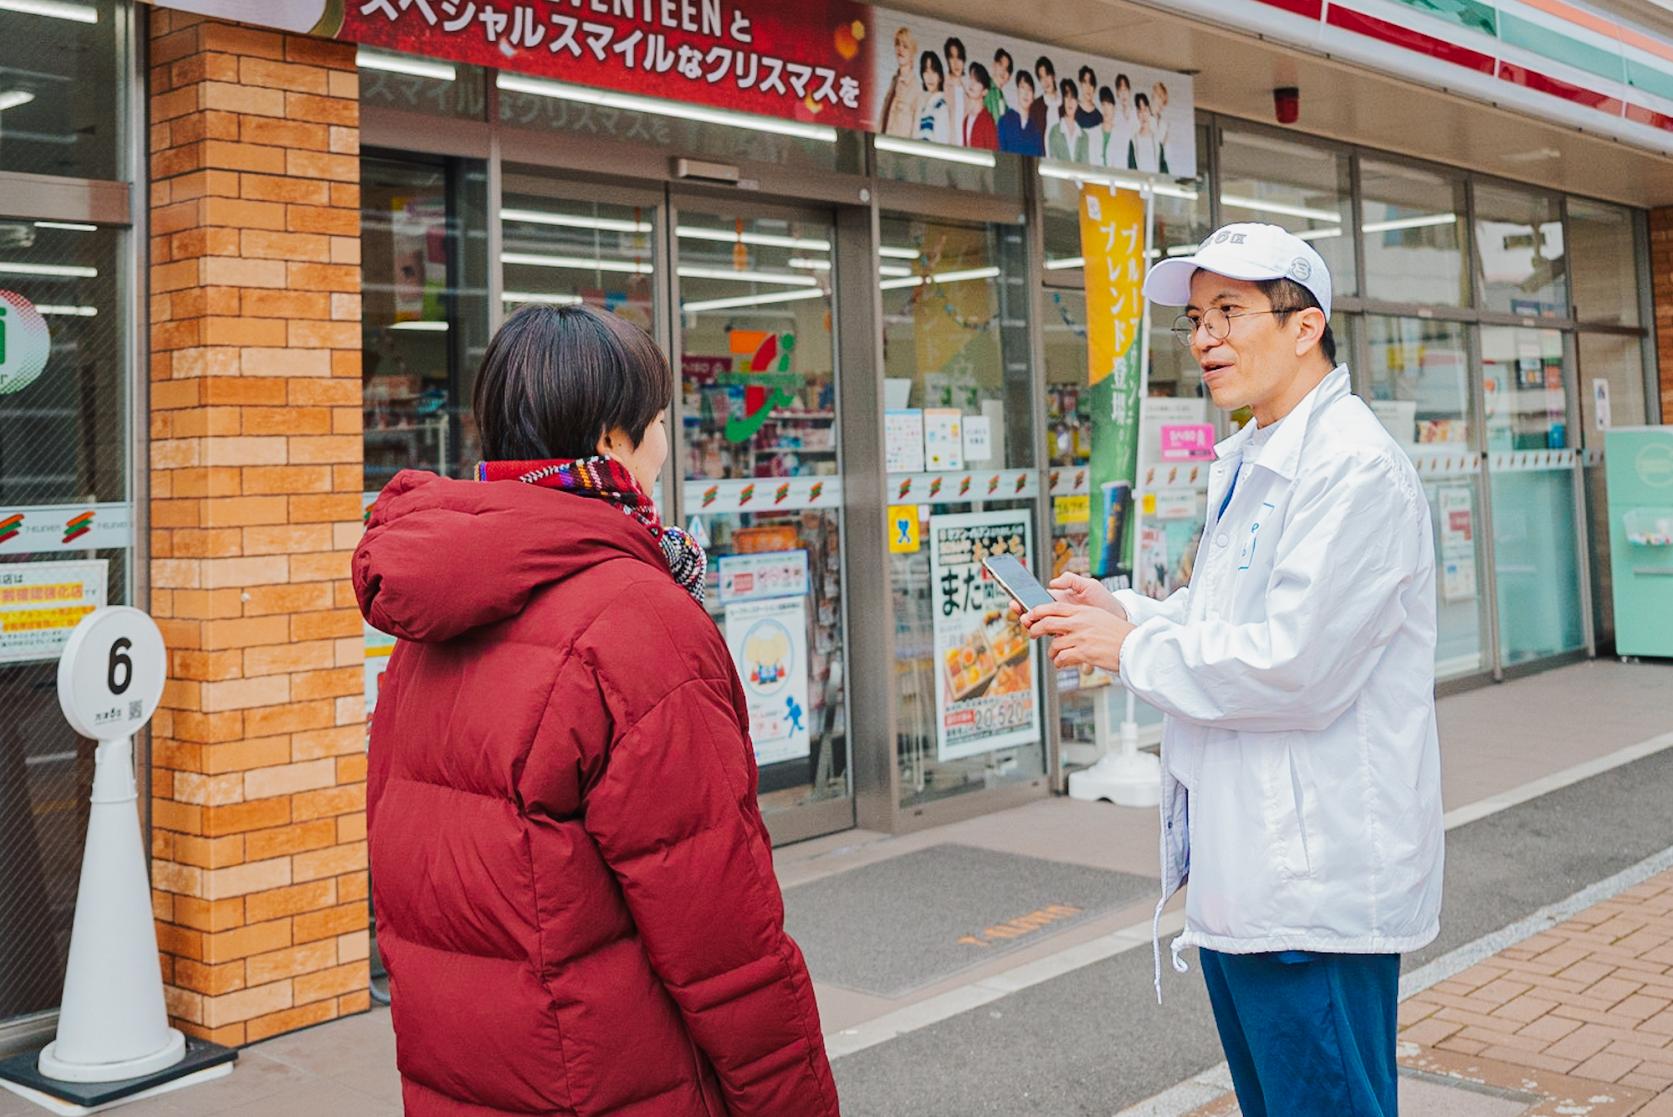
424, 313
1532, 473
423, 85
66, 528
1520, 265
759, 430
1603, 263
1611, 395
1419, 379
61, 88
1302, 187
959, 450
1412, 234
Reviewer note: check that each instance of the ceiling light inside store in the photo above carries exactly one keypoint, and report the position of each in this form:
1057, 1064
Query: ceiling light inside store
628, 102
68, 311
1071, 173
940, 277
762, 240
420, 327
53, 9
1423, 221
692, 272
72, 226
15, 98
893, 270
970, 157
1283, 209
399, 64
579, 263
536, 297
575, 221
1181, 249
739, 301
814, 265
1317, 234
892, 252
1066, 263
60, 271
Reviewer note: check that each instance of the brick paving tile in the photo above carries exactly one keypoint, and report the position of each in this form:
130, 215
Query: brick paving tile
1525, 1008
1606, 1067
1580, 1015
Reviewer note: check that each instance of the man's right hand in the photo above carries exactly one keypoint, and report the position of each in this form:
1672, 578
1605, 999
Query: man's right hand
1077, 589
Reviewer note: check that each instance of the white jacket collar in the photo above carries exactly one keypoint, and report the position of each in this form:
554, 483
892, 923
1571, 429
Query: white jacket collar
1282, 454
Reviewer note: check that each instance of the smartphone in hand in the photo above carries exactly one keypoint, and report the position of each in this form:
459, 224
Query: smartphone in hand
1013, 577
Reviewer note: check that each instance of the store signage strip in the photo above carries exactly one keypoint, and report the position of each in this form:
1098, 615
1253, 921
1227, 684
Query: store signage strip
762, 494
963, 486
818, 65
1546, 59
61, 528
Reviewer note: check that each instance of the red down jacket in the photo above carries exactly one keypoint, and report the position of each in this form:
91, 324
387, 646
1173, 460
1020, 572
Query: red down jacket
574, 888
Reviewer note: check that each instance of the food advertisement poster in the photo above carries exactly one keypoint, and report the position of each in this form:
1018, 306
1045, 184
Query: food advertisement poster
42, 602
985, 696
768, 640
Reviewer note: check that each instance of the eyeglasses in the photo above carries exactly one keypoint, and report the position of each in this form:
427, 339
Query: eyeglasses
1216, 321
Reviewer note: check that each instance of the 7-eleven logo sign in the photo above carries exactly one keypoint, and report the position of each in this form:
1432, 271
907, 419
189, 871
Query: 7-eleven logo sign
759, 353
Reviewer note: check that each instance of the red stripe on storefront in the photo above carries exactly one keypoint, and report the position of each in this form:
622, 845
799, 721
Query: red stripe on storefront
1307, 9
1638, 114
1541, 83
1361, 24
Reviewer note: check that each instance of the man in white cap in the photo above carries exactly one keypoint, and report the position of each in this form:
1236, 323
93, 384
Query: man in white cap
1301, 769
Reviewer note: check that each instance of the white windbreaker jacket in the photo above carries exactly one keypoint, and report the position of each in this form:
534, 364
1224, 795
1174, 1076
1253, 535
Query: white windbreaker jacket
1301, 768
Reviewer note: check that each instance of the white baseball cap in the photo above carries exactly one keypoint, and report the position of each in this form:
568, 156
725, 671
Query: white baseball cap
1247, 250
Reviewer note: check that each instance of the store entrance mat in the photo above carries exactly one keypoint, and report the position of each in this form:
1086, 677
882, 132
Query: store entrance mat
898, 925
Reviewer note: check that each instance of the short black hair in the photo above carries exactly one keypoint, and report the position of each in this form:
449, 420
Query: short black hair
1044, 63
1070, 89
1006, 55
1121, 80
1141, 99
955, 43
1105, 93
932, 61
1023, 79
1091, 75
555, 380
979, 73
1288, 297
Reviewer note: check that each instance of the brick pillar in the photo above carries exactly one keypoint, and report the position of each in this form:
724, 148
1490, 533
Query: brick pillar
1661, 285
258, 752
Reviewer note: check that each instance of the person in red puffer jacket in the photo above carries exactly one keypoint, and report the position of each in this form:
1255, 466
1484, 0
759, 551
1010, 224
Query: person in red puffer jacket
574, 888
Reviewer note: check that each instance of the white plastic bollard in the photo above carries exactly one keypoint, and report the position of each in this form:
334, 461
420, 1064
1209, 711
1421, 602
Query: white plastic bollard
113, 1024
1125, 776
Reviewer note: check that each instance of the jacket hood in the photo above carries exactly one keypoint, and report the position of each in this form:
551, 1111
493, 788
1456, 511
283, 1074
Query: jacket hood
441, 557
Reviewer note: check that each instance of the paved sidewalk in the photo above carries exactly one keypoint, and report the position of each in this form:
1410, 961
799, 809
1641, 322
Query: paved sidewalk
1502, 746
1576, 1021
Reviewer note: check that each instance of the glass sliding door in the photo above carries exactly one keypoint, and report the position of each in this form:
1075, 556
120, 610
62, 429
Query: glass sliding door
762, 488
1419, 386
1532, 472
961, 481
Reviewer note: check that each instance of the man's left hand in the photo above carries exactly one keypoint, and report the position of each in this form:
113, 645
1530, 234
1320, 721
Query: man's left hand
1082, 635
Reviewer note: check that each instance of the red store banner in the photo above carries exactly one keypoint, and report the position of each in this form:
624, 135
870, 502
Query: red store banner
834, 63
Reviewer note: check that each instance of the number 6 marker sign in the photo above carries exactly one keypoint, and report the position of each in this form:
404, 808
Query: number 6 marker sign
113, 1024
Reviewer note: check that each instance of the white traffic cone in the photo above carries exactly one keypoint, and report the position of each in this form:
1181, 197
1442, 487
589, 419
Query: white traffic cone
112, 1024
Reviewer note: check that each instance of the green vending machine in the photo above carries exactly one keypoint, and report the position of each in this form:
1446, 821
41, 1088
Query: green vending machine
1639, 471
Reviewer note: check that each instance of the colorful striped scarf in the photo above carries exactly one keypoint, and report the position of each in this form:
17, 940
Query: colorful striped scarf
607, 479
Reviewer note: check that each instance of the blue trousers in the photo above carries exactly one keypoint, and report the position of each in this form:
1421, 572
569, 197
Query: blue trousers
1307, 1035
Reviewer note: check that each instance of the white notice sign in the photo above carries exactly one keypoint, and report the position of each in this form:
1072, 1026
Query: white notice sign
42, 602
768, 640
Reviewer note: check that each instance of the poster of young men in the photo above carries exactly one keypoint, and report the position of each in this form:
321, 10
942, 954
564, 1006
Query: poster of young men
985, 697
